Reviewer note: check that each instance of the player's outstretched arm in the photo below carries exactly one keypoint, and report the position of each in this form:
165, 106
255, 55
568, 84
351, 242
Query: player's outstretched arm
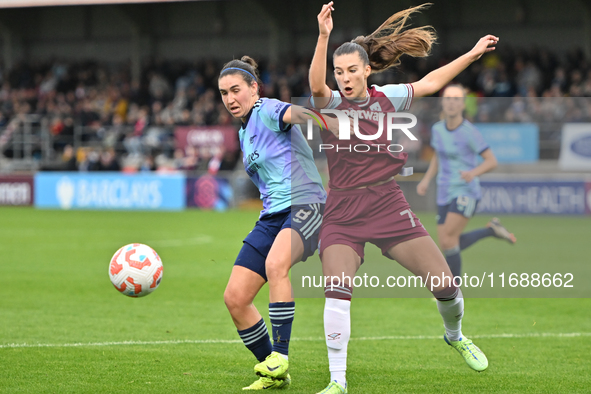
300, 115
431, 171
437, 79
320, 90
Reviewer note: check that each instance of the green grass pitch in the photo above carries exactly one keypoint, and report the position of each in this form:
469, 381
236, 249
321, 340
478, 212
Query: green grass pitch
65, 329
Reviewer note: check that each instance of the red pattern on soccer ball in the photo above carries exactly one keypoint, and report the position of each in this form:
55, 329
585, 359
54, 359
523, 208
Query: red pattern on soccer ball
122, 288
156, 276
123, 270
134, 263
137, 287
116, 267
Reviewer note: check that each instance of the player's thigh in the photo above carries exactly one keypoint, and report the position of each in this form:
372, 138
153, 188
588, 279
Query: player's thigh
421, 256
243, 286
287, 249
453, 226
339, 260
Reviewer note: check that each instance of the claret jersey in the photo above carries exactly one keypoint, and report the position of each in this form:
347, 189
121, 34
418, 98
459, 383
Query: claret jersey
356, 162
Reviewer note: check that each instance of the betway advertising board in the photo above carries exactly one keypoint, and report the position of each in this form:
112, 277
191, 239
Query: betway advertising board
16, 190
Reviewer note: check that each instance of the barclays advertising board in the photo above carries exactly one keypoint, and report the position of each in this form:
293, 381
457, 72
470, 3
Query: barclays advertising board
73, 190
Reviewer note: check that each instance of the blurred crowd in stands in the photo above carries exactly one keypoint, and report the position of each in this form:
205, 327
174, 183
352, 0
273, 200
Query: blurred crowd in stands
100, 119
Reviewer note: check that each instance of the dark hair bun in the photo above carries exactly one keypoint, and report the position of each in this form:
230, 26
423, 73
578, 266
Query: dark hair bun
250, 61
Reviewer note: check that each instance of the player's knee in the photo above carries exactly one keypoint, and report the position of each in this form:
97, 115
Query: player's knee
233, 300
448, 241
229, 299
448, 252
276, 268
447, 293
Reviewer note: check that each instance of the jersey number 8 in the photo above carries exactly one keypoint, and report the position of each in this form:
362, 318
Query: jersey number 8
302, 215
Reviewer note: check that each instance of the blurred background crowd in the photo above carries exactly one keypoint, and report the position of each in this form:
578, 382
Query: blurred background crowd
99, 119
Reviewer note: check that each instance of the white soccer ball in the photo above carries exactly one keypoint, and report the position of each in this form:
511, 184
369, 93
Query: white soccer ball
135, 270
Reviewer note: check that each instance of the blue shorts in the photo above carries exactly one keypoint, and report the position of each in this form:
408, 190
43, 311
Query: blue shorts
463, 205
305, 219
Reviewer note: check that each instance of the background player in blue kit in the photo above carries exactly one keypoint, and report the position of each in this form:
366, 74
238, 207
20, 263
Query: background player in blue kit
279, 162
457, 144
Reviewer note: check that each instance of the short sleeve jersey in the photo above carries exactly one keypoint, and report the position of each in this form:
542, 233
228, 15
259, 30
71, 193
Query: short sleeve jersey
278, 159
457, 150
351, 164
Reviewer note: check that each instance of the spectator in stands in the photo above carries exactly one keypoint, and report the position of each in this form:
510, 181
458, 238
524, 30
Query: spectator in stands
105, 102
148, 164
229, 160
191, 160
69, 159
108, 161
178, 159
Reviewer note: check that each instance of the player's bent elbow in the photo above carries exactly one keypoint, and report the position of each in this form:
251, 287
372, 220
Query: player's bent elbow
318, 92
494, 164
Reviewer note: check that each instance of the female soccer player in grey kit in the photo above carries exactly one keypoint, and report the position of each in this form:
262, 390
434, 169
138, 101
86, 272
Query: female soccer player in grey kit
457, 144
362, 186
279, 162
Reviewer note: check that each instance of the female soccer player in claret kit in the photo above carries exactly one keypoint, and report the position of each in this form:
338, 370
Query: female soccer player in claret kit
279, 162
457, 144
365, 204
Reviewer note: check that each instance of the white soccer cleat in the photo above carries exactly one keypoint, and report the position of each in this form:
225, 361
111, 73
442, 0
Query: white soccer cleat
500, 231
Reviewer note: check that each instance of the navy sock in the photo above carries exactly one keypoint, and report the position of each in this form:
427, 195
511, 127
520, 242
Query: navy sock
281, 314
454, 260
256, 339
468, 239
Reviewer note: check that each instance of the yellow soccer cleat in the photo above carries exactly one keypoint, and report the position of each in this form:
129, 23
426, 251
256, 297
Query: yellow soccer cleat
334, 388
274, 366
470, 352
265, 383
